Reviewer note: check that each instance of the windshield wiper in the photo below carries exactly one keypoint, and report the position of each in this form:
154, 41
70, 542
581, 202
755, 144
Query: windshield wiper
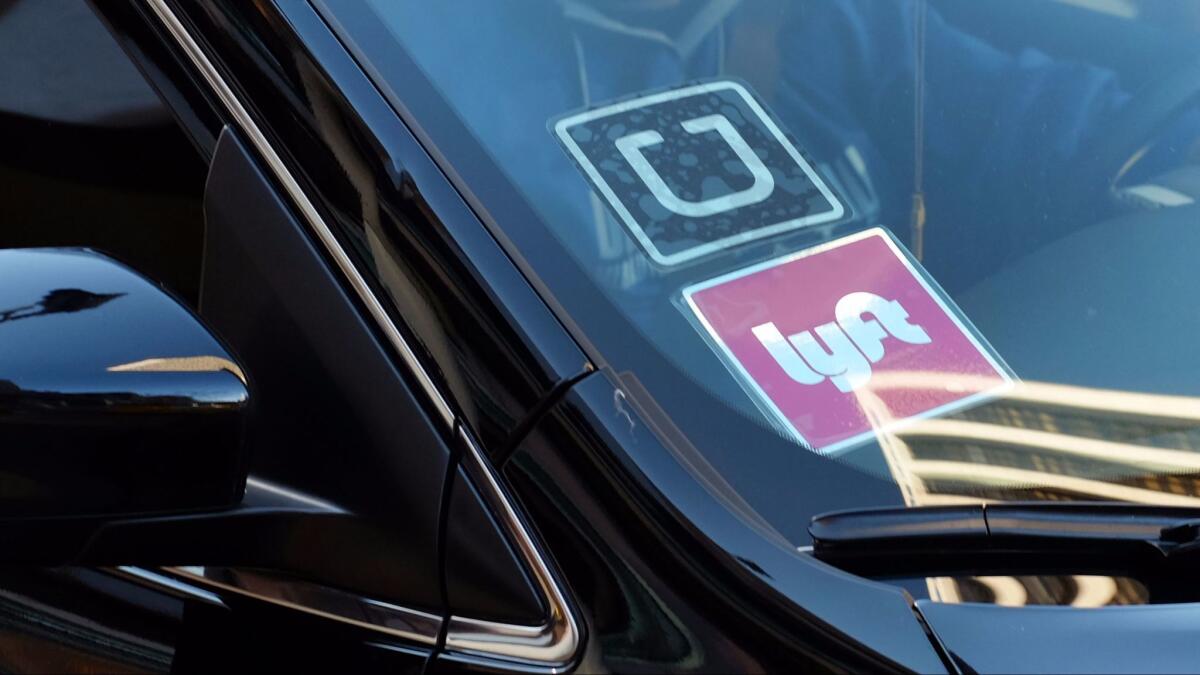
1149, 543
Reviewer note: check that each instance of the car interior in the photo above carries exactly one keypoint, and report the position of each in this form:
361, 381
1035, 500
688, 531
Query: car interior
1081, 298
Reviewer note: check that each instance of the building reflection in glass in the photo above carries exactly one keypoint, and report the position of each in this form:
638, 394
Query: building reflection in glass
1018, 591
1042, 441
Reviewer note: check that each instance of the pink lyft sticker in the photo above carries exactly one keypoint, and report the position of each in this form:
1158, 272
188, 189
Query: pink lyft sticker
845, 340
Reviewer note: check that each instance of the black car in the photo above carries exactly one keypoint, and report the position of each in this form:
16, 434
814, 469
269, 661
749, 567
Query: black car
599, 335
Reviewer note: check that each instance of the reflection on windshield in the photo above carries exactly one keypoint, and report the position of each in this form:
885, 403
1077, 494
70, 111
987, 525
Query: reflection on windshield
1021, 151
1073, 590
1055, 442
1049, 442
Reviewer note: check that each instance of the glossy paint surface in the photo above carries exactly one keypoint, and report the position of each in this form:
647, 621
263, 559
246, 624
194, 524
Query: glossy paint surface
495, 348
249, 269
628, 577
113, 397
72, 318
335, 422
991, 639
693, 582
697, 583
262, 67
484, 578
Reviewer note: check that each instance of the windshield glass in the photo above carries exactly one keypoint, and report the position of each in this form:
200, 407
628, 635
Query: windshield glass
846, 253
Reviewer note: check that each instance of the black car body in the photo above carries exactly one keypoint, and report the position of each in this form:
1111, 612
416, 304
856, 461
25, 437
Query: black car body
448, 474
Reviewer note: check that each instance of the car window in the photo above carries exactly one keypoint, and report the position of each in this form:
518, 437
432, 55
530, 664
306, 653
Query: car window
855, 251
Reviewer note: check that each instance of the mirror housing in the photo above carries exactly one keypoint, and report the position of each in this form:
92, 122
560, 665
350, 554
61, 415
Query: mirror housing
115, 400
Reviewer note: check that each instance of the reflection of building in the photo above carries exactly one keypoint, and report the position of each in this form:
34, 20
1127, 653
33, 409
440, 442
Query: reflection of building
1049, 442
1077, 591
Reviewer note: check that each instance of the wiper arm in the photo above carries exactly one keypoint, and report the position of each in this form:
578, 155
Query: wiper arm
1147, 542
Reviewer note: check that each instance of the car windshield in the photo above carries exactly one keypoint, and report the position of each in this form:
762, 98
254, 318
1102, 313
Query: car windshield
845, 253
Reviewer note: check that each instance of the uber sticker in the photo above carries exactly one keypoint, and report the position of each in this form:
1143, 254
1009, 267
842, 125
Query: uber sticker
846, 339
697, 170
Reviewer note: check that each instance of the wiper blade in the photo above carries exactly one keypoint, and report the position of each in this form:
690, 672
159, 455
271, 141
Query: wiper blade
1012, 538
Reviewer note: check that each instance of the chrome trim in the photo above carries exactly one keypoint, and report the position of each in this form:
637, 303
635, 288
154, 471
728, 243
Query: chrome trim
304, 205
552, 645
331, 603
293, 496
162, 581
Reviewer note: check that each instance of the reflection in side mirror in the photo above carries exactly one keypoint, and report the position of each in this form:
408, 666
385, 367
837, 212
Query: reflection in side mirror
114, 398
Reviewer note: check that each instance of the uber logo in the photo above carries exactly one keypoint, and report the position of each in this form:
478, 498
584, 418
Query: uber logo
697, 170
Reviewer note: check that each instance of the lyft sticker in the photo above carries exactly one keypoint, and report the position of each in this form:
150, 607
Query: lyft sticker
696, 170
845, 340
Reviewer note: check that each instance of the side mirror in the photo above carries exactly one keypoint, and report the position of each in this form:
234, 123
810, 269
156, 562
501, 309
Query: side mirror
115, 400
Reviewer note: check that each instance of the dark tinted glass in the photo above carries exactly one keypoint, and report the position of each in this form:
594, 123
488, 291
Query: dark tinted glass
856, 252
